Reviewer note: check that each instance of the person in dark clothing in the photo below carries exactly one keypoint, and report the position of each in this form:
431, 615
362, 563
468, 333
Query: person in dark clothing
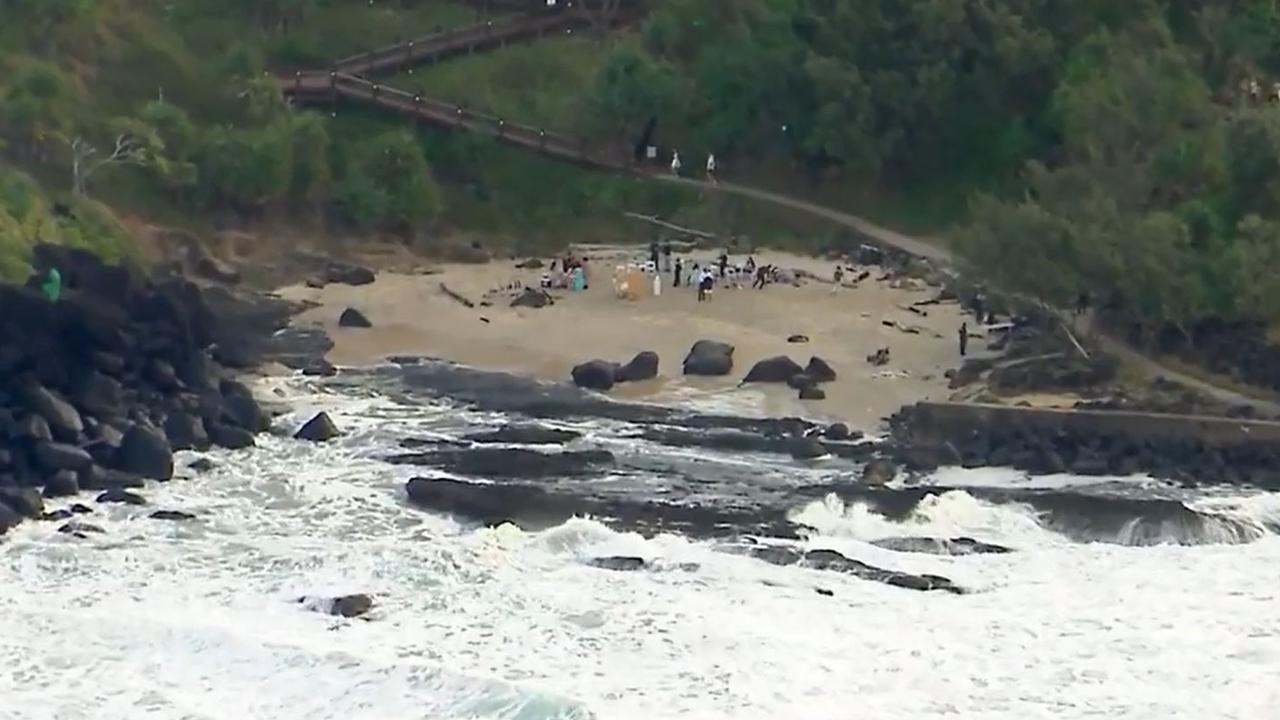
675, 282
666, 256
653, 254
724, 264
964, 339
1082, 303
762, 273
705, 283
979, 304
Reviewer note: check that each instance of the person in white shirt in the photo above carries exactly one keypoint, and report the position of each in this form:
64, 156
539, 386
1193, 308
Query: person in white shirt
675, 162
711, 168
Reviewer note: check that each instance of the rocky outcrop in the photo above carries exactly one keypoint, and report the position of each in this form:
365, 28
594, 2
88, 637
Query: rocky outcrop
644, 366
820, 370
778, 369
523, 435
595, 374
709, 358
490, 462
940, 546
353, 318
318, 429
879, 472
172, 515
619, 563
99, 388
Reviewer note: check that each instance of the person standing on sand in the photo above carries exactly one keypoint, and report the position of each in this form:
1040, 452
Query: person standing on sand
675, 281
724, 263
761, 273
704, 286
675, 163
666, 256
838, 279
964, 339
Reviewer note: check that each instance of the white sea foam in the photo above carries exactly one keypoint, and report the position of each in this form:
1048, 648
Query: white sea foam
162, 620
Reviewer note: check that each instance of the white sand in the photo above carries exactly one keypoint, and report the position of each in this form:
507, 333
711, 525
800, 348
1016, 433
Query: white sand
412, 316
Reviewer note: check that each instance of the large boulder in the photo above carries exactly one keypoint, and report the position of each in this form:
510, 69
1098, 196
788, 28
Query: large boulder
820, 370
879, 472
9, 518
145, 451
318, 429
778, 369
32, 428
709, 358
533, 298
53, 457
812, 392
100, 394
241, 409
595, 374
644, 366
23, 501
348, 274
61, 484
61, 415
186, 432
353, 318
227, 436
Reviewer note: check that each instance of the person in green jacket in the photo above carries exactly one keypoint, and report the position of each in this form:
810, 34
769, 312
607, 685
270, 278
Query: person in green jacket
53, 285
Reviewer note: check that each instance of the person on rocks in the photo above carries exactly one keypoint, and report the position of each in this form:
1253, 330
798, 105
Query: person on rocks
964, 339
679, 270
52, 286
675, 163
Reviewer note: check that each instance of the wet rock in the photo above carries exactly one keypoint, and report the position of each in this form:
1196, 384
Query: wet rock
80, 530
879, 472
122, 497
709, 358
318, 429
202, 465
800, 381
824, 592
146, 452
163, 375
510, 462
813, 393
241, 408
798, 339
226, 436
778, 369
533, 298
33, 428
834, 561
346, 606
79, 509
524, 435
820, 370
320, 368
644, 366
620, 563
173, 515
96, 477
63, 420
348, 274
186, 432
61, 484
807, 449
595, 374
24, 501
838, 431
9, 519
53, 457
56, 515
100, 394
352, 318
940, 546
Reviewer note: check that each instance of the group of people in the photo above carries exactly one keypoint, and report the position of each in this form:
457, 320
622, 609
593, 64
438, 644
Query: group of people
570, 275
706, 276
676, 165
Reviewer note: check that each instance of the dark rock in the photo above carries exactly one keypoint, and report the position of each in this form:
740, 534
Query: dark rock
121, 496
595, 374
621, 563
800, 381
347, 606
174, 515
837, 431
53, 457
820, 370
101, 395
80, 530
163, 375
186, 432
530, 264
146, 452
9, 519
99, 478
211, 268
709, 358
533, 298
940, 546
33, 428
524, 435
509, 462
56, 515
320, 368
24, 501
347, 274
824, 592
109, 363
778, 369
318, 429
352, 318
813, 393
226, 436
241, 409
644, 366
879, 472
807, 449
61, 484
798, 339
202, 465
78, 509
62, 417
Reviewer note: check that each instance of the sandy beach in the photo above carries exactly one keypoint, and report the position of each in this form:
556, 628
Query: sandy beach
412, 316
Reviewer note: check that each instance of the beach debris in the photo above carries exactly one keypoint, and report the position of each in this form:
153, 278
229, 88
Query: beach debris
533, 298
318, 429
352, 318
908, 329
879, 358
456, 297
798, 339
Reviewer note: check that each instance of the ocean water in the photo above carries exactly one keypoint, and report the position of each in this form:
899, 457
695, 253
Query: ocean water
201, 620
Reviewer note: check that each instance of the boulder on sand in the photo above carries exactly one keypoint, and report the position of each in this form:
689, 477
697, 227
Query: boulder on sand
595, 374
353, 318
318, 429
644, 366
800, 381
820, 370
778, 369
348, 274
812, 392
533, 298
710, 358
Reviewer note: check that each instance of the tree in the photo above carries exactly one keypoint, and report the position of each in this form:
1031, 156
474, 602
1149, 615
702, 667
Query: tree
35, 107
388, 175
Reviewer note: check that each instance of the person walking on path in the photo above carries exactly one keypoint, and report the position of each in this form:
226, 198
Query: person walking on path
964, 339
711, 168
675, 163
